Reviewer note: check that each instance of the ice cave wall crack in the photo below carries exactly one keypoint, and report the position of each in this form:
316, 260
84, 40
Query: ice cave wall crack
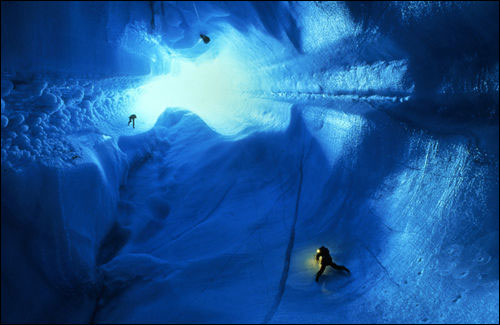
288, 254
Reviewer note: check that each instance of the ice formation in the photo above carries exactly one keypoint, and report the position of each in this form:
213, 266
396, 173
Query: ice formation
370, 128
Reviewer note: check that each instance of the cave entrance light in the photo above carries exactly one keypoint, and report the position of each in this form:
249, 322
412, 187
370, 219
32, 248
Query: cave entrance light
211, 87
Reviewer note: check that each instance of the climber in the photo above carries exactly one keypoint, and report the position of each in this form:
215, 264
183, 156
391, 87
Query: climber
205, 38
326, 260
132, 118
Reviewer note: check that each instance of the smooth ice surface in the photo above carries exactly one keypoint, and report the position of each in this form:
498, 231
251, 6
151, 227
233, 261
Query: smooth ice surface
369, 128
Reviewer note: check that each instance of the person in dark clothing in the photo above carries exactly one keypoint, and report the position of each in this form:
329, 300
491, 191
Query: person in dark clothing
205, 38
326, 260
131, 119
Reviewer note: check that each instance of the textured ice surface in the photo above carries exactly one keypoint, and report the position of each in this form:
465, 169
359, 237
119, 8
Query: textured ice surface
370, 128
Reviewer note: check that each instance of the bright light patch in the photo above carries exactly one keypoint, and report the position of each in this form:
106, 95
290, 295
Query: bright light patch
210, 88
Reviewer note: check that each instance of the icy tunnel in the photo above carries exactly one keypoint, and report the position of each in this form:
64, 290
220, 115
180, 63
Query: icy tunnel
369, 128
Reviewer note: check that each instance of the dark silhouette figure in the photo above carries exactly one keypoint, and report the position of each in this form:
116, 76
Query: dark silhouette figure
326, 260
205, 38
131, 119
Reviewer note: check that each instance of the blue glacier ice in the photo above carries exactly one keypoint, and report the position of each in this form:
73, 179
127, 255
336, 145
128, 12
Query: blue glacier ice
371, 128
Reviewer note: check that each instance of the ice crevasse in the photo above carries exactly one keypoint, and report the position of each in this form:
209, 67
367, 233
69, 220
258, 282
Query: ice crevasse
369, 128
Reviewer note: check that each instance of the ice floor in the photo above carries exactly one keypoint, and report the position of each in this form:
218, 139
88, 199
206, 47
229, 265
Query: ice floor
371, 129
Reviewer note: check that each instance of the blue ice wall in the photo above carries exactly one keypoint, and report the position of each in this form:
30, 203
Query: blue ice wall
367, 127
69, 37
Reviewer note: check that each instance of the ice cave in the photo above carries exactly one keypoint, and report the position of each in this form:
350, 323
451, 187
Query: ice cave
262, 131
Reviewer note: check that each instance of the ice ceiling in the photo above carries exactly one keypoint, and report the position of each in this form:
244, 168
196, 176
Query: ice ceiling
367, 127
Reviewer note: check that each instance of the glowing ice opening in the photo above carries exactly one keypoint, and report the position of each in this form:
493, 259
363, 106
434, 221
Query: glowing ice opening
210, 88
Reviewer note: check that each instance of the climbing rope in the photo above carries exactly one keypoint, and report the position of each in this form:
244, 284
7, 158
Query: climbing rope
195, 10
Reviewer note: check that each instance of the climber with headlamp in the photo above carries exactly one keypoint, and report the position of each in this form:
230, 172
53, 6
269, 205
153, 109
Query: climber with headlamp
326, 260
